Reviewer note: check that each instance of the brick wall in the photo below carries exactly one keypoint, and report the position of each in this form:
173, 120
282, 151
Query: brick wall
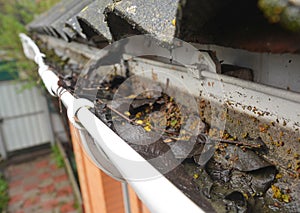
100, 193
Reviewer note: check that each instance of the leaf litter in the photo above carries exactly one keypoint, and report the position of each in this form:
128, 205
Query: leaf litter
217, 172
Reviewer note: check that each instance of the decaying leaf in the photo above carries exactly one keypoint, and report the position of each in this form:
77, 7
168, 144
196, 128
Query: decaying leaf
237, 158
168, 140
185, 148
279, 195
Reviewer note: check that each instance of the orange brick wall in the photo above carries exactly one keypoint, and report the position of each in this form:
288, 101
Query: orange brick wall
135, 203
100, 193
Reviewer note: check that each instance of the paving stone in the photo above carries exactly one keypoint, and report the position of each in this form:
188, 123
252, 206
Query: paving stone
49, 204
47, 189
61, 178
15, 199
43, 189
65, 199
59, 172
15, 191
42, 164
64, 191
45, 183
31, 202
15, 183
20, 211
45, 176
32, 209
48, 198
31, 193
12, 178
33, 180
61, 184
15, 206
29, 187
67, 207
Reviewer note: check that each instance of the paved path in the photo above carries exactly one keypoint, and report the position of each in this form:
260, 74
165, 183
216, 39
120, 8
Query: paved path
39, 186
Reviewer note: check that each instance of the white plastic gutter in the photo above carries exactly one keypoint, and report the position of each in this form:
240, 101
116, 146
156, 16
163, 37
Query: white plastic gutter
238, 94
157, 193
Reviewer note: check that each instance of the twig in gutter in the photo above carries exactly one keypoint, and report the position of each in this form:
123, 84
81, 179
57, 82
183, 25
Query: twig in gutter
129, 120
115, 111
238, 143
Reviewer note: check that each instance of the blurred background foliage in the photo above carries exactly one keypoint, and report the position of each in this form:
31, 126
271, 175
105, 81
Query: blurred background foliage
14, 16
284, 12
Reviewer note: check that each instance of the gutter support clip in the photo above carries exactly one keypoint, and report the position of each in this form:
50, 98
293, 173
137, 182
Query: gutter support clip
75, 107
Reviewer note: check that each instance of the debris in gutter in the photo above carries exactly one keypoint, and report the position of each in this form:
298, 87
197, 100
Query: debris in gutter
241, 182
240, 176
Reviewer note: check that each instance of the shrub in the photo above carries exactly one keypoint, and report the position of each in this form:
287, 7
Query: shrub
3, 193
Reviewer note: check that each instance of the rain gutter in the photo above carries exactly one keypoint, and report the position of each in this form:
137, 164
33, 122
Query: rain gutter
157, 193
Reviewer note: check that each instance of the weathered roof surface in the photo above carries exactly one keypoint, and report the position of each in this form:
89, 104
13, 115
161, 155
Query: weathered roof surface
233, 23
156, 17
60, 24
93, 18
43, 22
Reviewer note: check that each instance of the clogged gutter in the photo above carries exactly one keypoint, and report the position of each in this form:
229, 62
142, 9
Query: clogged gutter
238, 177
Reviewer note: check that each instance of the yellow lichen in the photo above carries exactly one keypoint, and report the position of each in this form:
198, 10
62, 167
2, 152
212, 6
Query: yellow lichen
277, 193
264, 128
147, 128
286, 198
138, 115
245, 135
174, 22
139, 122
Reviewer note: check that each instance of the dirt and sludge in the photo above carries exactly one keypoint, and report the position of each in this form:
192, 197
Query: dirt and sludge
246, 165
268, 177
225, 161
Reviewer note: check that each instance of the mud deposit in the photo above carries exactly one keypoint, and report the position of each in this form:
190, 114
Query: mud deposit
250, 166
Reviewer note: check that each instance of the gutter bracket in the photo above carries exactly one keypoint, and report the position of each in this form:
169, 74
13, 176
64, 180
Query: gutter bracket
75, 107
45, 73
